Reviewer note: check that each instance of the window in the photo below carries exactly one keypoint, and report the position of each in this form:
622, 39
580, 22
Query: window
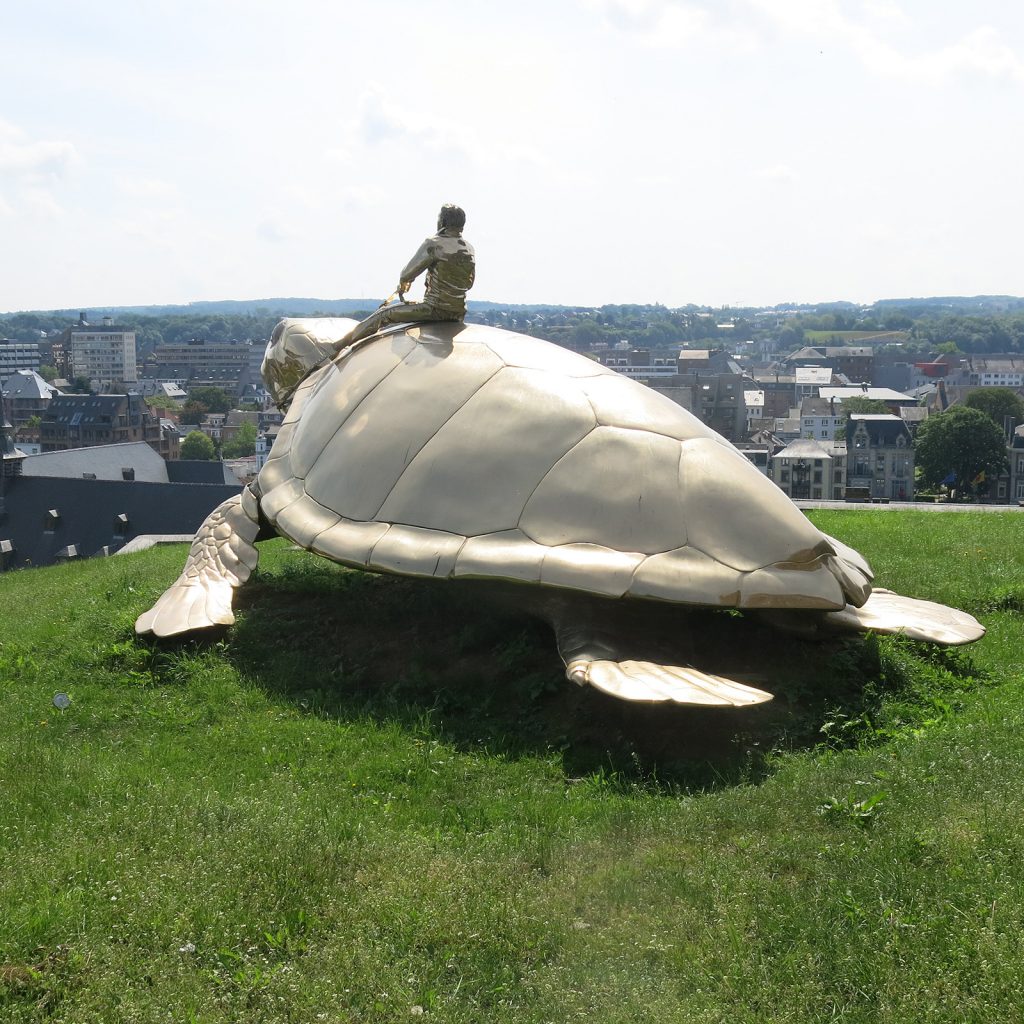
817, 476
784, 476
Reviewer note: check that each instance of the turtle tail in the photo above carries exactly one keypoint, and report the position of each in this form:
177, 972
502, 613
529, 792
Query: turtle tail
851, 571
222, 557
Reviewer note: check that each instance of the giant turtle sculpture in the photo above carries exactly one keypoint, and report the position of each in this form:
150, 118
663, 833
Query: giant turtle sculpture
465, 452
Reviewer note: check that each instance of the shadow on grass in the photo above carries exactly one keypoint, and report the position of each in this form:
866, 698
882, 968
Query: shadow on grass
479, 675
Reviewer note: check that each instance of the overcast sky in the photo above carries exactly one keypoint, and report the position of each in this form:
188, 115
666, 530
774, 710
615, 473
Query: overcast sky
713, 151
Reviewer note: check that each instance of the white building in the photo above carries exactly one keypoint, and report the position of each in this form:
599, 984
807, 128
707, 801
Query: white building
999, 372
754, 401
103, 355
17, 355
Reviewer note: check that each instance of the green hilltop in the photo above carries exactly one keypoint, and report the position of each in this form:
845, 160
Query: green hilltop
372, 799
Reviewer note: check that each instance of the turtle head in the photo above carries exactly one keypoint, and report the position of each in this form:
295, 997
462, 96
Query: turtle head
295, 348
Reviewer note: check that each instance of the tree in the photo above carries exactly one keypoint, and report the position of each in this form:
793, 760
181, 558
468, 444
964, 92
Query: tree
869, 406
48, 372
962, 447
243, 443
997, 403
215, 399
198, 446
193, 412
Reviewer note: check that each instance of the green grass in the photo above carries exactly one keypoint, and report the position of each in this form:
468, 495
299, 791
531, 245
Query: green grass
373, 797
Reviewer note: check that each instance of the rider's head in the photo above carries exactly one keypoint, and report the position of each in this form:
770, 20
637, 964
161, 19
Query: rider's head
451, 219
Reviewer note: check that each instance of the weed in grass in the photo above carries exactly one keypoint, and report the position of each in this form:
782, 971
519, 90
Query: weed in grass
861, 812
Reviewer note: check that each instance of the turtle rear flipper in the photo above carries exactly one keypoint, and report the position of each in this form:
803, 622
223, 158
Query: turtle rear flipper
887, 612
654, 683
221, 558
599, 648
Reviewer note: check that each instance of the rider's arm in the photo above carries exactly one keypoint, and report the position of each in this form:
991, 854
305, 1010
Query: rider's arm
424, 258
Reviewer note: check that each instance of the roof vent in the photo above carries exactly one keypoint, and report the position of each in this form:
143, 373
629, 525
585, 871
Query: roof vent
6, 554
127, 473
51, 520
68, 553
121, 525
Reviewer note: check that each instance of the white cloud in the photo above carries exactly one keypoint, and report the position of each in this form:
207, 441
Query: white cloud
148, 188
671, 24
867, 33
776, 172
30, 170
32, 160
41, 202
274, 229
981, 51
379, 122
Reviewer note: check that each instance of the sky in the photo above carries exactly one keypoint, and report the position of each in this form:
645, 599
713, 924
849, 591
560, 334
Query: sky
719, 152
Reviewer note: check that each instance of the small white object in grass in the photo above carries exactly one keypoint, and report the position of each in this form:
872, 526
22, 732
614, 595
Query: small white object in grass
189, 947
61, 700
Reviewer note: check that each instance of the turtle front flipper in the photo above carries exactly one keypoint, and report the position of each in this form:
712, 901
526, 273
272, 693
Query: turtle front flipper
222, 557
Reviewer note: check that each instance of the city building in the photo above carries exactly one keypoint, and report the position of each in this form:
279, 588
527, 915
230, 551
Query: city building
78, 421
17, 355
893, 399
25, 395
1003, 371
880, 458
639, 363
230, 365
104, 355
856, 362
820, 419
808, 469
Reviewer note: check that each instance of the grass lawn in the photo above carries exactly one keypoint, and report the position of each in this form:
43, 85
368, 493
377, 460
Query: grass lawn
374, 799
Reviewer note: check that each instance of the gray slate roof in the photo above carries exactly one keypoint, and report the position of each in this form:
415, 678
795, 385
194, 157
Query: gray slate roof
28, 384
88, 512
106, 461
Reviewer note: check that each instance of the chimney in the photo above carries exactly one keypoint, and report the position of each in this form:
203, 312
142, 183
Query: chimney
108, 322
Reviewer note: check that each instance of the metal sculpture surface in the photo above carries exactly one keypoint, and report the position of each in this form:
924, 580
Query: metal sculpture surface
466, 452
450, 264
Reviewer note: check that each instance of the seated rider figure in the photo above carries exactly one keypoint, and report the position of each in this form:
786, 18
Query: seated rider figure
449, 262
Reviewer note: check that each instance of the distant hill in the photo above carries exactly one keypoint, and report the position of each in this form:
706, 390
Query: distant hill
294, 306
935, 306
